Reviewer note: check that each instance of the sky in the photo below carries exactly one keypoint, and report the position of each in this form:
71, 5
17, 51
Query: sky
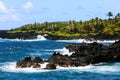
15, 13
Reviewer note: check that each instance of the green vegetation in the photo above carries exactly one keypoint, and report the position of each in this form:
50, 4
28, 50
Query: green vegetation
110, 26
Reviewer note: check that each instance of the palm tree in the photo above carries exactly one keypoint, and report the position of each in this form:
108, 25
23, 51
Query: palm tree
110, 14
118, 15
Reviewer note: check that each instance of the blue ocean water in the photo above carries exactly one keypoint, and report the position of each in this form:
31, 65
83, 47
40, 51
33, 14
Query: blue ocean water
14, 50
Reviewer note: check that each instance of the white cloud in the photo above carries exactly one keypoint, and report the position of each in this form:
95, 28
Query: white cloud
3, 9
27, 5
7, 14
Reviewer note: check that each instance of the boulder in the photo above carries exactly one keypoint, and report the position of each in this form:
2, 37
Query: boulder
37, 60
28, 58
50, 66
59, 59
28, 62
24, 64
36, 65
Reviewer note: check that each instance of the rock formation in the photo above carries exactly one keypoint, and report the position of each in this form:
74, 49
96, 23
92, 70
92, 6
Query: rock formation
84, 54
50, 66
27, 62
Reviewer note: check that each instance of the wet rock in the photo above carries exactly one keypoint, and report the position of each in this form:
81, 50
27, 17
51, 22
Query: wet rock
36, 65
19, 64
84, 54
27, 58
28, 62
50, 66
58, 59
38, 60
72, 47
23, 64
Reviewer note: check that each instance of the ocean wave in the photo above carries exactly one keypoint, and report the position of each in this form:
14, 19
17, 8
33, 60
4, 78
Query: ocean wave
57, 50
34, 54
103, 69
62, 51
20, 40
71, 41
11, 67
86, 41
39, 38
66, 52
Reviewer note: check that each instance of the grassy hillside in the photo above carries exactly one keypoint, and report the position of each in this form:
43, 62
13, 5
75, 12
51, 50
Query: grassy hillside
110, 26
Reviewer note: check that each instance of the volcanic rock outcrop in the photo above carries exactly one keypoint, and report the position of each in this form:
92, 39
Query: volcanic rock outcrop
84, 54
28, 62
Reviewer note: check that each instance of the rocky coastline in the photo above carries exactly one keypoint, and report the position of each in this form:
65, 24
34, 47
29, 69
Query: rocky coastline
32, 35
6, 35
83, 54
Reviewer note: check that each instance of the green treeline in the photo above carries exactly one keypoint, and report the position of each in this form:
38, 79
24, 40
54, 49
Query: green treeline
95, 26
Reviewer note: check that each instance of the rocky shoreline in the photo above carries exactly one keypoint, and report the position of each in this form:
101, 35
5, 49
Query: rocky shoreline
6, 35
84, 54
32, 35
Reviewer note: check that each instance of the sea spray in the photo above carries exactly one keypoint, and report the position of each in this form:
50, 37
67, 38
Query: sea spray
86, 41
40, 37
11, 67
103, 69
62, 51
66, 52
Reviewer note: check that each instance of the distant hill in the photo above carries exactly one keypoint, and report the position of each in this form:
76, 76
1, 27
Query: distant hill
95, 27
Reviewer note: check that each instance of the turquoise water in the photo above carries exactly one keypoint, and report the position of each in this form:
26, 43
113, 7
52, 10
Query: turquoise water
13, 50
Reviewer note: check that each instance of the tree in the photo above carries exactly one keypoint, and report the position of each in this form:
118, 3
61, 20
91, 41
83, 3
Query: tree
118, 15
110, 14
91, 27
96, 18
46, 24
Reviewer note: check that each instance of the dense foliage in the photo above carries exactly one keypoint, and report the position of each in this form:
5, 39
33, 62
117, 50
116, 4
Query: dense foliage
110, 26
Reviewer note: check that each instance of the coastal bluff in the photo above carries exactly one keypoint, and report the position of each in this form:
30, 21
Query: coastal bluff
83, 54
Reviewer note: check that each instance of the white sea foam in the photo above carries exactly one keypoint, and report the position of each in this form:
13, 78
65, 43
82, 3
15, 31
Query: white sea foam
107, 41
30, 40
63, 51
87, 41
11, 67
94, 69
66, 52
35, 54
39, 38
43, 65
58, 50
70, 41
104, 69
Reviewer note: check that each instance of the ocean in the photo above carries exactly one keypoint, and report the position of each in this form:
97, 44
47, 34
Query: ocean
14, 50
